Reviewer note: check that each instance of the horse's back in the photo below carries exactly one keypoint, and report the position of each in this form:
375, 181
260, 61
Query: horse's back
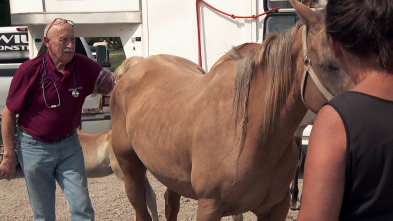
164, 64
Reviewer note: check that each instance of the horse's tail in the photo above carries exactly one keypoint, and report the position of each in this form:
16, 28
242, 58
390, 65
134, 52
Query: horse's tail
126, 65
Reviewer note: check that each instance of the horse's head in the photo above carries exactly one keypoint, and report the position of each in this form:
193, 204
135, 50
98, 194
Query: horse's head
322, 77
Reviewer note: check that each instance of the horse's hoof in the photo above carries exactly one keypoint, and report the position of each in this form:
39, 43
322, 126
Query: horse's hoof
238, 217
295, 206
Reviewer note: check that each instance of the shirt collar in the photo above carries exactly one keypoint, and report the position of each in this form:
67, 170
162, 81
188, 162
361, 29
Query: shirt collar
52, 69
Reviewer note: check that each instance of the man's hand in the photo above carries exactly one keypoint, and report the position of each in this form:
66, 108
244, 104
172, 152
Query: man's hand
8, 166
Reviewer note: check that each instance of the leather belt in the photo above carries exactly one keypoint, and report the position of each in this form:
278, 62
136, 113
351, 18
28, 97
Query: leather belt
59, 138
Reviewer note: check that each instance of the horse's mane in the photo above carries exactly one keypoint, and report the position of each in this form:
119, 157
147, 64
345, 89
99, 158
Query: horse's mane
274, 58
126, 65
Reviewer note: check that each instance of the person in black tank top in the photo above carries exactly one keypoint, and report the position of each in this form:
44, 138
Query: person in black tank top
349, 165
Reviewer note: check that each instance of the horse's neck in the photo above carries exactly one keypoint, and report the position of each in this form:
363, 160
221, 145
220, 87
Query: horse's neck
290, 118
293, 111
286, 120
288, 115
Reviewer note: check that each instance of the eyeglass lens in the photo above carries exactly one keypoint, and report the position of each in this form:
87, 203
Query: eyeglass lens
59, 21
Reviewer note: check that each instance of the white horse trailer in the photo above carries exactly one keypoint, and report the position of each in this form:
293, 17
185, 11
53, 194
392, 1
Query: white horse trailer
199, 30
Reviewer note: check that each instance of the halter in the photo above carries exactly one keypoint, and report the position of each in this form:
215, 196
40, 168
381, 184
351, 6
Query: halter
309, 70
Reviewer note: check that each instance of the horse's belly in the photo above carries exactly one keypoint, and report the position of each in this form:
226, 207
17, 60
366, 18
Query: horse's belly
171, 167
182, 187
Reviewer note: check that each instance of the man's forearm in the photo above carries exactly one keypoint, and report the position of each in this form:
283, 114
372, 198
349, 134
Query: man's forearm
8, 125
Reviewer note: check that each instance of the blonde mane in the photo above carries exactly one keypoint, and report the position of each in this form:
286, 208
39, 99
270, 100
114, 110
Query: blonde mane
274, 58
126, 65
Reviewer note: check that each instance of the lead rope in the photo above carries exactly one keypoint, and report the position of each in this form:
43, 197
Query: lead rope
309, 70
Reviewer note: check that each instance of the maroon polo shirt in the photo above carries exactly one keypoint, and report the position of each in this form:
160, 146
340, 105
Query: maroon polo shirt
26, 97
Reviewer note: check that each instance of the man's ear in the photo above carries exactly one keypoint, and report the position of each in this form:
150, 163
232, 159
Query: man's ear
334, 46
46, 41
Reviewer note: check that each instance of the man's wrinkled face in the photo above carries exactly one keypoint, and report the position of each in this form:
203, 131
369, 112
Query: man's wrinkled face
60, 41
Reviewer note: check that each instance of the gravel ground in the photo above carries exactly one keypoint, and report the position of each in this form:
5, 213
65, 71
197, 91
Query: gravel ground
108, 197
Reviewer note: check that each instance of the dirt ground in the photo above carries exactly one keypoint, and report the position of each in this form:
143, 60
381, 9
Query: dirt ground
108, 197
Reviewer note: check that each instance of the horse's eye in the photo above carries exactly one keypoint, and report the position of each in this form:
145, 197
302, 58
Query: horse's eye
330, 66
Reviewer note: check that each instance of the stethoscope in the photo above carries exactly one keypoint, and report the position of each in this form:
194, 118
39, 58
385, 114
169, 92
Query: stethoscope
75, 92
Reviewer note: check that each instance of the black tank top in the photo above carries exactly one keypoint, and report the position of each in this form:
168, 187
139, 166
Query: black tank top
368, 122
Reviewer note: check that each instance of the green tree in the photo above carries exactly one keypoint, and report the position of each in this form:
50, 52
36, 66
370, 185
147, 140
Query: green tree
5, 16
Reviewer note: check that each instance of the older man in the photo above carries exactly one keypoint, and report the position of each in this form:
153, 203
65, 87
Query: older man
47, 93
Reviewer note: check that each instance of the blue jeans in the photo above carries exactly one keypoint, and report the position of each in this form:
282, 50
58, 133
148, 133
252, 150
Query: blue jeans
43, 163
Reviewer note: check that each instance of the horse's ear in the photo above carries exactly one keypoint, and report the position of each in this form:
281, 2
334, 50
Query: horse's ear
305, 13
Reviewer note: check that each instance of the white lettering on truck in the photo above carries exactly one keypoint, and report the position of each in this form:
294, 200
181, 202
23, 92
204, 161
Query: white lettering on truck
14, 42
14, 48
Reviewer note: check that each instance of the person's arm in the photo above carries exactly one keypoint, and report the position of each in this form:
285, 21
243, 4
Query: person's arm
104, 83
324, 175
9, 162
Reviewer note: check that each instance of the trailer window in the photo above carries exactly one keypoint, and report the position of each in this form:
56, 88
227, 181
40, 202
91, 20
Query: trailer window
285, 4
107, 51
278, 3
278, 23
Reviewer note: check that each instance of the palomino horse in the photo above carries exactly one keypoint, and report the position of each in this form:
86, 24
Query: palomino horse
100, 162
224, 138
98, 155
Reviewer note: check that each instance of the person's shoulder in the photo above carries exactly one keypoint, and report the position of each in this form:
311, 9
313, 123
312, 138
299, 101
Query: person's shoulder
31, 64
81, 57
328, 121
328, 113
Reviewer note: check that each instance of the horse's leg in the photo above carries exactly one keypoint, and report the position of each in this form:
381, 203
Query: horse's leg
295, 183
295, 191
209, 210
133, 170
278, 212
135, 183
151, 200
115, 164
150, 194
280, 208
172, 204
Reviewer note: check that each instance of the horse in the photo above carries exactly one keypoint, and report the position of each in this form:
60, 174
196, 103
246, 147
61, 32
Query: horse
100, 162
224, 138
98, 155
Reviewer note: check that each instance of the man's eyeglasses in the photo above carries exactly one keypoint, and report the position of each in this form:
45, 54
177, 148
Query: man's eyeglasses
59, 21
